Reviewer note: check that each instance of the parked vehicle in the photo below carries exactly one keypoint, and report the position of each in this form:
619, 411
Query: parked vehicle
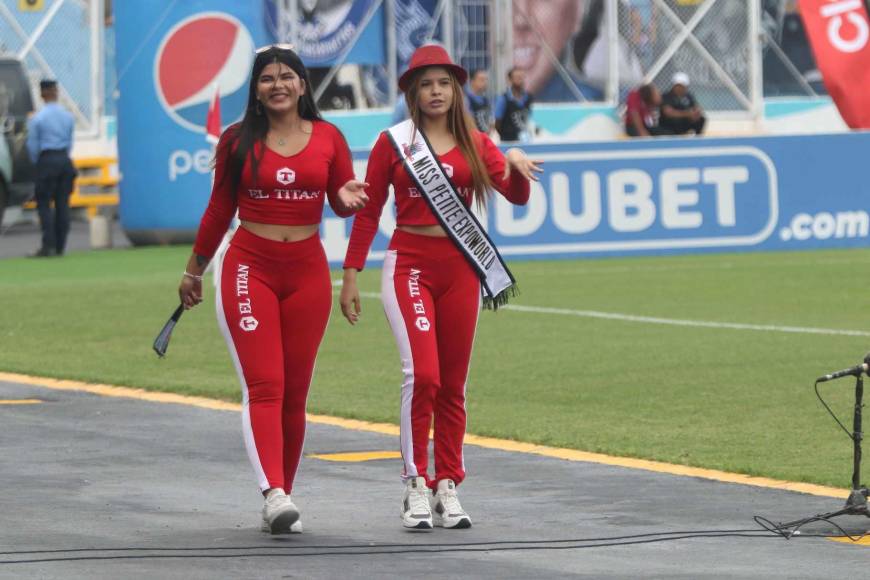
16, 104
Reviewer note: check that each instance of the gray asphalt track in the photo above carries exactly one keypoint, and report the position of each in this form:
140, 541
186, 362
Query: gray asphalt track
104, 487
24, 238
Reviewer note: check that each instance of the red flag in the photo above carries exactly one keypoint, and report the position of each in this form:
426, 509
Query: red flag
839, 32
213, 118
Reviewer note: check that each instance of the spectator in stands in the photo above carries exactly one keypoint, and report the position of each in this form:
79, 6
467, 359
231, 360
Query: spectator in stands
642, 112
680, 111
477, 102
512, 109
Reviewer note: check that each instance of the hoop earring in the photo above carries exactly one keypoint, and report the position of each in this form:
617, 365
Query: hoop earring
258, 108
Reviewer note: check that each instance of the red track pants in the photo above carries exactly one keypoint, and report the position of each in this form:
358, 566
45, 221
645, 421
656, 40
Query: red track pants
273, 304
432, 300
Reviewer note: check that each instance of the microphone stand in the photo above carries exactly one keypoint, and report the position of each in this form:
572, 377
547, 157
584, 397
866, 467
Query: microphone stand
856, 504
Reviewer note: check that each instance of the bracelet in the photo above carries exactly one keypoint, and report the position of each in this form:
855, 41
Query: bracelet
194, 276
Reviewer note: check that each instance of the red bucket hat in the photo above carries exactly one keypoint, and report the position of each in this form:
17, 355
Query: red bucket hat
431, 55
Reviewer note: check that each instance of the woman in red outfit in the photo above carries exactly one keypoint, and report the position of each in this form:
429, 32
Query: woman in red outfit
274, 293
439, 268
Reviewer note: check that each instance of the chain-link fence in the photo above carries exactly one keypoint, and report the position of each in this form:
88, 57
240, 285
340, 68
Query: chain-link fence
561, 45
711, 41
595, 51
60, 39
789, 66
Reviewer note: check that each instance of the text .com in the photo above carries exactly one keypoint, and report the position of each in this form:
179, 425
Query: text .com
825, 225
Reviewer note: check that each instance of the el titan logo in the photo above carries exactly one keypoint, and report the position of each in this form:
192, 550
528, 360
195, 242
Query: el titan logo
248, 322
422, 321
285, 175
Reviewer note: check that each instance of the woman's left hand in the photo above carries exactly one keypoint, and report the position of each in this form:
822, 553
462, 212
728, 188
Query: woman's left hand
352, 194
517, 161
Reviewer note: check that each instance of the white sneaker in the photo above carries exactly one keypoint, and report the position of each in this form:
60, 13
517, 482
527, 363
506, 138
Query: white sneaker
296, 528
416, 513
279, 512
446, 510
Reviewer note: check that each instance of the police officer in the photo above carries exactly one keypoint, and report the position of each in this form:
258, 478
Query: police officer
49, 139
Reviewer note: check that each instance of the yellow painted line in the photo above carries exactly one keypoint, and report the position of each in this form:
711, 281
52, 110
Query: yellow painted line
123, 392
862, 541
486, 442
358, 456
20, 401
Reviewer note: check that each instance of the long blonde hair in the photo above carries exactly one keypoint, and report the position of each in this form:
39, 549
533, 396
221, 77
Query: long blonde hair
460, 124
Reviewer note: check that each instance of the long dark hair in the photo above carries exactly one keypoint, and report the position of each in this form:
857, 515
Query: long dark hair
461, 126
252, 129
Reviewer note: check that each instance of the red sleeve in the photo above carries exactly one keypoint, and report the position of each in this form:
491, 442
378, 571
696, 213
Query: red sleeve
222, 205
516, 187
340, 172
365, 223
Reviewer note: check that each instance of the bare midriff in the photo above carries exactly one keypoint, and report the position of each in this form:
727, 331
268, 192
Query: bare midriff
281, 233
434, 230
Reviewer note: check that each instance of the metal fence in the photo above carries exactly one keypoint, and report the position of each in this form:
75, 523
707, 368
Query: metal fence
595, 51
714, 42
789, 66
735, 52
62, 40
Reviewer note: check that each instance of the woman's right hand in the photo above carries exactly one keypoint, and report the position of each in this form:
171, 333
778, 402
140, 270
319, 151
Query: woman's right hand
349, 299
190, 292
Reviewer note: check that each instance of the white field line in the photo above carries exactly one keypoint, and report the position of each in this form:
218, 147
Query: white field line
690, 323
666, 321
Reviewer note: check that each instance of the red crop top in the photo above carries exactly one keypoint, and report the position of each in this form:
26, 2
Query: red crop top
385, 169
288, 190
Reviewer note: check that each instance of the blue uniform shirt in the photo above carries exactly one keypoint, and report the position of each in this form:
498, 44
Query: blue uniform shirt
50, 128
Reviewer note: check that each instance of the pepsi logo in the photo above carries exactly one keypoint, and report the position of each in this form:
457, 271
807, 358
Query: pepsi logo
204, 53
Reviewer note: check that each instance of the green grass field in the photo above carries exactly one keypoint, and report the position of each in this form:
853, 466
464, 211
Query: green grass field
733, 399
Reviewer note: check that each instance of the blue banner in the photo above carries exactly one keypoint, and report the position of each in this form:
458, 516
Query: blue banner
169, 69
414, 27
323, 31
677, 196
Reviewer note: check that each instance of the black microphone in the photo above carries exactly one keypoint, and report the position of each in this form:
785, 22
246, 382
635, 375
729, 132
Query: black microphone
854, 371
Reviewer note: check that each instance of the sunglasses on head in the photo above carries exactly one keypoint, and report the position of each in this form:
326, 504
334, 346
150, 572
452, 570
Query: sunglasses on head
282, 46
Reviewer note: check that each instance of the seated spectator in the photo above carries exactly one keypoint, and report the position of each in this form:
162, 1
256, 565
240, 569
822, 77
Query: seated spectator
642, 112
680, 111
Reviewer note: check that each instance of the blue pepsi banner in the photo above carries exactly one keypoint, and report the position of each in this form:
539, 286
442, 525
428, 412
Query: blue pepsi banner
676, 196
172, 59
324, 30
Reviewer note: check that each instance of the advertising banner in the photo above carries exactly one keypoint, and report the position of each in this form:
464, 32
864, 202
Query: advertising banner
676, 196
323, 31
839, 33
173, 59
